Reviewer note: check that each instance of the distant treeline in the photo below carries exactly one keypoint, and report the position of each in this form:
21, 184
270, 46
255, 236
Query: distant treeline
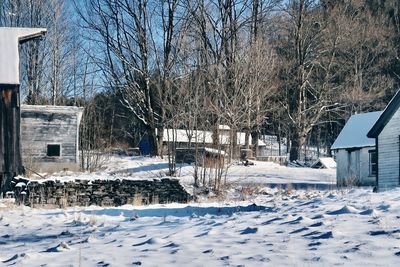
296, 68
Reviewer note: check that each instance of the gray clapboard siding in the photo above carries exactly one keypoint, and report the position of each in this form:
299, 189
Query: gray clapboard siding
388, 154
353, 167
352, 148
45, 125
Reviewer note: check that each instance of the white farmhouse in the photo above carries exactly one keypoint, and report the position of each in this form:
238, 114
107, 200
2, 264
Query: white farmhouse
386, 132
355, 152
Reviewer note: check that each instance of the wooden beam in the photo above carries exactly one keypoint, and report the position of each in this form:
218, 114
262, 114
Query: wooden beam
10, 148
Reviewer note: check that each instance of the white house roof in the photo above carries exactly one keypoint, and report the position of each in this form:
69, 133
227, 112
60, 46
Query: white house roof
10, 38
354, 133
197, 136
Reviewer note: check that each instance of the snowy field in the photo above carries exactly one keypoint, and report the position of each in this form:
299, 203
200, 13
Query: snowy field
274, 227
261, 173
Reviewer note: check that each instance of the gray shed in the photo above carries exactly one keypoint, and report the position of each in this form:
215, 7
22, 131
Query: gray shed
386, 132
355, 152
50, 137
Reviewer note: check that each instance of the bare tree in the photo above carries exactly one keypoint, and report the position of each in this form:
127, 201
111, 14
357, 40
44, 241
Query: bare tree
46, 72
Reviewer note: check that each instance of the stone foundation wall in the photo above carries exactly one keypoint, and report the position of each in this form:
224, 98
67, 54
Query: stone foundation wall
98, 192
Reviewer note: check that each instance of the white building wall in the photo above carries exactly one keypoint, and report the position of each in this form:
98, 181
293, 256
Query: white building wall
353, 167
388, 154
366, 177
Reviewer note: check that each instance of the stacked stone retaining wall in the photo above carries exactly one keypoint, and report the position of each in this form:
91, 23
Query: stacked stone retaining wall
98, 192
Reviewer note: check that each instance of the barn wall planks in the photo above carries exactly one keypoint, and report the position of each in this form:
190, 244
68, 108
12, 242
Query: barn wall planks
10, 149
353, 167
50, 125
388, 154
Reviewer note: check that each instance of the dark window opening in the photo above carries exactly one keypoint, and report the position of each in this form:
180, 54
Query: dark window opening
373, 162
53, 150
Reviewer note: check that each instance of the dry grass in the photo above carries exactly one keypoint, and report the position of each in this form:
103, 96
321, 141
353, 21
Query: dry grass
155, 200
350, 181
7, 203
250, 190
289, 188
137, 199
92, 220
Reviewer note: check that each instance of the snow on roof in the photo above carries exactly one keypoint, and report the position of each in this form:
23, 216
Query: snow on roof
197, 136
223, 127
354, 133
214, 151
52, 109
10, 38
327, 163
182, 136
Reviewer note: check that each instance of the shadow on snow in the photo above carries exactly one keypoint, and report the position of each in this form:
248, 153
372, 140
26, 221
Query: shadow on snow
178, 212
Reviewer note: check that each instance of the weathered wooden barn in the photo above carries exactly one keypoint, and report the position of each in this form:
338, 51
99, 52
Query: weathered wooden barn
50, 137
355, 152
386, 132
204, 156
10, 146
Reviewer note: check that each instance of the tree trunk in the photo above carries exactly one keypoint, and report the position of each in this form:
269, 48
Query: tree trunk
298, 140
255, 135
295, 149
153, 141
160, 141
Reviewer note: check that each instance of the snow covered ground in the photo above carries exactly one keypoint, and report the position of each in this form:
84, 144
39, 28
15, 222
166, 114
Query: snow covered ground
260, 173
274, 227
303, 228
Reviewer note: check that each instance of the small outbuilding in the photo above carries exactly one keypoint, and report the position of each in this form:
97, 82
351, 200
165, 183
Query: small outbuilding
50, 137
386, 134
205, 156
355, 153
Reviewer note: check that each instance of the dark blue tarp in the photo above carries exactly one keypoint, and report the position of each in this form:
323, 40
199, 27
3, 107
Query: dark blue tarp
144, 146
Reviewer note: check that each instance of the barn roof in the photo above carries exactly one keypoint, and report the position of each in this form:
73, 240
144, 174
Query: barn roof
385, 117
53, 109
10, 38
354, 133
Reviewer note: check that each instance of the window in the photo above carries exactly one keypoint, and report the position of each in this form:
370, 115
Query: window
373, 162
54, 150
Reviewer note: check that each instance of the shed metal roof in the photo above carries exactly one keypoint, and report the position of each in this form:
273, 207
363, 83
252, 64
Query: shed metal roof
52, 109
354, 133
